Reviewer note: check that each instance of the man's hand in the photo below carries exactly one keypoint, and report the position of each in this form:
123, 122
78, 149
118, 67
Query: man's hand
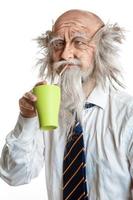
26, 103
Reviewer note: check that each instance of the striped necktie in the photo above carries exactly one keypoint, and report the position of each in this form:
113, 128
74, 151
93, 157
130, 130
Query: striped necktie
74, 166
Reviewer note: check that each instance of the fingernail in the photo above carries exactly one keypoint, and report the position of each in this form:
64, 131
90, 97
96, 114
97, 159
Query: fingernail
34, 98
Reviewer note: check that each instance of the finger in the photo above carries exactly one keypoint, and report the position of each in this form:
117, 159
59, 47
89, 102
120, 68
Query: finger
27, 113
27, 108
30, 96
41, 83
26, 104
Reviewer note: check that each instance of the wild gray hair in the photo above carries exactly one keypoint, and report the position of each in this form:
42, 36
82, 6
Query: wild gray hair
106, 63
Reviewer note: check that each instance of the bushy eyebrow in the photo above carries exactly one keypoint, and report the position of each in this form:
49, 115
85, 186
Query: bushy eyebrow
79, 37
83, 35
78, 34
55, 39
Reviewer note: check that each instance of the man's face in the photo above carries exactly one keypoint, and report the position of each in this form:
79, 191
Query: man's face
73, 40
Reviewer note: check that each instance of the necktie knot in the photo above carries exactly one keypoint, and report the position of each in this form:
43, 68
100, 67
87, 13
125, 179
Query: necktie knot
77, 129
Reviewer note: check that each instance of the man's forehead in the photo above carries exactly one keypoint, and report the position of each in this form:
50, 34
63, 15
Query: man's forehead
72, 29
73, 25
78, 18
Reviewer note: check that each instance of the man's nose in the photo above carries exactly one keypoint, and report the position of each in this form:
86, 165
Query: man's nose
67, 53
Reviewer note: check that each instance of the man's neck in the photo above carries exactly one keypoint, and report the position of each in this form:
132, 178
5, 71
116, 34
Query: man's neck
89, 86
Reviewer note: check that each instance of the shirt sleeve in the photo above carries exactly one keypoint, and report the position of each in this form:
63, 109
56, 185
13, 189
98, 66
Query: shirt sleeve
129, 143
129, 146
23, 154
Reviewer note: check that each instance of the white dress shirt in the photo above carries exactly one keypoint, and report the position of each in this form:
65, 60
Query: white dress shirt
108, 138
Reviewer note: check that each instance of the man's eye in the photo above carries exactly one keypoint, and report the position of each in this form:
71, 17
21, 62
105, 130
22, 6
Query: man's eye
80, 44
58, 45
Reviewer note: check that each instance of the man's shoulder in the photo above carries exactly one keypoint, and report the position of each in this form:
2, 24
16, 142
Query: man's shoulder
122, 100
122, 96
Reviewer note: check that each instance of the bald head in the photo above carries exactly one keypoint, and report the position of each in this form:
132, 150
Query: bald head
81, 18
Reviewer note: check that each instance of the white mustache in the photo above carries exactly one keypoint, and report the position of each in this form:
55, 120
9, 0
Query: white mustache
62, 63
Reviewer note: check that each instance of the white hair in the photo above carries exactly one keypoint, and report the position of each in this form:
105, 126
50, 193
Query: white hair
106, 63
72, 98
105, 66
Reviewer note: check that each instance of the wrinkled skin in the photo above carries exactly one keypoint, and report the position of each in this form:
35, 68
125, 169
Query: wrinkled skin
73, 32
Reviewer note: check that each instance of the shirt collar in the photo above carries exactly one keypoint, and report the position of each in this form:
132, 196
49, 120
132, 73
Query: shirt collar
99, 95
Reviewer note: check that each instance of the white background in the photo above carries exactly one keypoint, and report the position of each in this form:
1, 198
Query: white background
20, 22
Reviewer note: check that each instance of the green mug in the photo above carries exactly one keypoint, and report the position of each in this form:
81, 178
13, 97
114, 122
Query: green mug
47, 105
